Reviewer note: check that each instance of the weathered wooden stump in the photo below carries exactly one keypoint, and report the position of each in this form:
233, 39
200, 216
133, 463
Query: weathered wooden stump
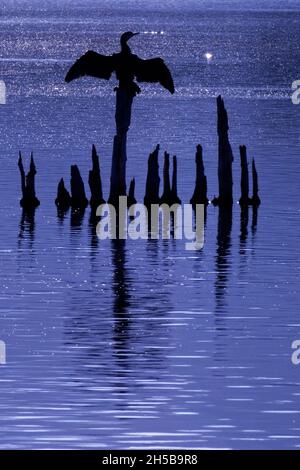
131, 200
29, 199
63, 199
244, 199
225, 158
124, 99
200, 191
166, 197
153, 179
174, 195
95, 182
255, 197
78, 197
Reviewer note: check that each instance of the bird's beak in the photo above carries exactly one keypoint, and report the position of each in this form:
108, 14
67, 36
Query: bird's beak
134, 34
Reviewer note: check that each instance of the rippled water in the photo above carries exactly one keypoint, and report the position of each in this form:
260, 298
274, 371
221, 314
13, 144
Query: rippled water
123, 344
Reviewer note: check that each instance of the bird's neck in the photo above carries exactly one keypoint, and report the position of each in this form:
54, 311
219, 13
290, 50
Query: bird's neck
125, 48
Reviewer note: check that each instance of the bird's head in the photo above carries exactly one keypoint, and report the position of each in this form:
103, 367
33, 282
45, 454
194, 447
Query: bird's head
126, 36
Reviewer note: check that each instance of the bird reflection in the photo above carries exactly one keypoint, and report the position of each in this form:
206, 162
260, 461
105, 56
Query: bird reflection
223, 255
103, 328
121, 304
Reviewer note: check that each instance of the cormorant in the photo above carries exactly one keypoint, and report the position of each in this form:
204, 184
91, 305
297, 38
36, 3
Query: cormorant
127, 67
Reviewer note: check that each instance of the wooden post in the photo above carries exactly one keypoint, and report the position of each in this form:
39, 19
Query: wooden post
29, 199
22, 172
200, 191
166, 195
131, 200
244, 199
63, 199
174, 195
153, 179
95, 181
255, 196
225, 157
78, 197
124, 99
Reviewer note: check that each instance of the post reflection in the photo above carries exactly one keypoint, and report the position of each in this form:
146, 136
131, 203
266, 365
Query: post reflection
27, 228
61, 215
254, 220
93, 221
116, 319
223, 257
244, 219
122, 319
77, 217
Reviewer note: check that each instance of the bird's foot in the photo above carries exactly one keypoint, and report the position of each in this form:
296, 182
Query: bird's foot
132, 88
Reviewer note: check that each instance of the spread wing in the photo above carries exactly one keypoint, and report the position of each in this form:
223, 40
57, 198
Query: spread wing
92, 64
155, 71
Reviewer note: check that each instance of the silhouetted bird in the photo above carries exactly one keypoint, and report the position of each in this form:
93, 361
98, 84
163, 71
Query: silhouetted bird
127, 67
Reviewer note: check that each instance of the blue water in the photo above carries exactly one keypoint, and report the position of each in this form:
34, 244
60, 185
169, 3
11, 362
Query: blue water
142, 344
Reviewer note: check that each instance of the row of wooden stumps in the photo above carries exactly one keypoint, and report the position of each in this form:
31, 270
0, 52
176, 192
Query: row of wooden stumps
77, 199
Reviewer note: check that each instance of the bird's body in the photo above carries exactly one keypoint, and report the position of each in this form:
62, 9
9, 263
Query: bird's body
126, 66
